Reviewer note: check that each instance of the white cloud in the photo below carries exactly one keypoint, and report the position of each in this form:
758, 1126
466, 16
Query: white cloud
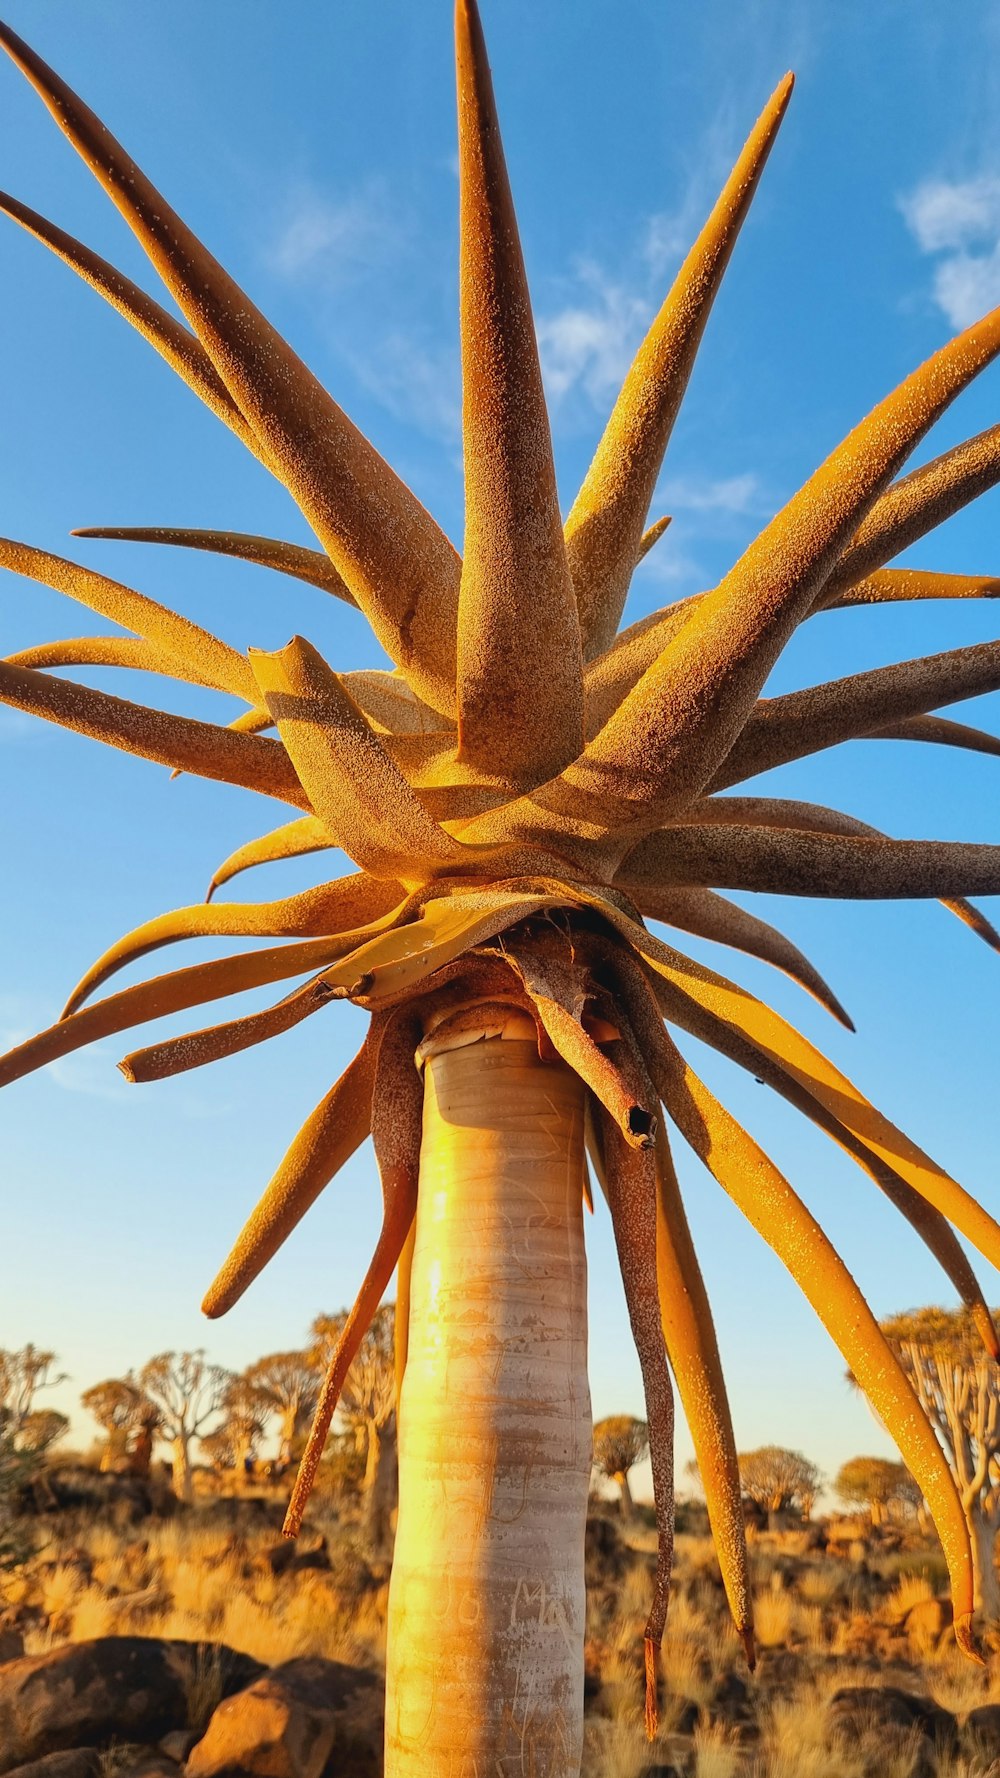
319, 241
588, 344
731, 493
959, 219
415, 379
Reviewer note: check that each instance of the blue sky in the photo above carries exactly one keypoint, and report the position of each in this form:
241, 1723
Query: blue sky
314, 150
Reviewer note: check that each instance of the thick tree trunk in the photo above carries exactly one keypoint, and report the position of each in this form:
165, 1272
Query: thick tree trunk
983, 1532
486, 1604
181, 1470
627, 1504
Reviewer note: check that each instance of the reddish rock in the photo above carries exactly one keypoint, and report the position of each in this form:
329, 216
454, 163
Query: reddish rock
125, 1688
286, 1723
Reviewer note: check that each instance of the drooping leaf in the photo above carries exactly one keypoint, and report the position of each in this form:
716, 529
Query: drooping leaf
328, 1138
340, 909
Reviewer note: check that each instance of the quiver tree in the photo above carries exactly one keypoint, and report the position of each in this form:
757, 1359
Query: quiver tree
367, 1408
877, 1484
524, 791
122, 1409
246, 1408
958, 1387
23, 1374
41, 1429
187, 1392
291, 1382
778, 1481
620, 1442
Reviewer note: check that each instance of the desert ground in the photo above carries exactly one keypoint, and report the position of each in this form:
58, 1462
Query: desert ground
857, 1674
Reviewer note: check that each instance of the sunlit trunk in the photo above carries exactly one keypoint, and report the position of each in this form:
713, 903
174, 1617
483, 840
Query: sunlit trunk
626, 1503
983, 1532
181, 1470
380, 1486
486, 1604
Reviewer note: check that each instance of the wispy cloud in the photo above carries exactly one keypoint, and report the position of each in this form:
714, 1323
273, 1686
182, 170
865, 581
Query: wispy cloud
729, 494
322, 242
960, 220
417, 379
588, 343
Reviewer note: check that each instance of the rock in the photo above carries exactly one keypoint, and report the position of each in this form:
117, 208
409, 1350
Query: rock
129, 1688
982, 1727
178, 1744
11, 1646
869, 1709
285, 1724
926, 1622
151, 1764
76, 1762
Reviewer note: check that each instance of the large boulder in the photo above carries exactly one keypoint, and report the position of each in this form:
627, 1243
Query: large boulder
285, 1725
77, 1762
129, 1688
884, 1712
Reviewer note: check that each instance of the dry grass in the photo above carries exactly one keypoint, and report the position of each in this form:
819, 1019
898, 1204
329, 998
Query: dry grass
822, 1624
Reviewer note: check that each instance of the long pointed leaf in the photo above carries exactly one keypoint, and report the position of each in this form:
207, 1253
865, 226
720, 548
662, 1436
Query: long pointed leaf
310, 565
165, 333
328, 1138
604, 528
400, 567
332, 910
778, 1214
165, 994
520, 701
804, 722
713, 917
781, 861
295, 839
361, 797
200, 747
201, 653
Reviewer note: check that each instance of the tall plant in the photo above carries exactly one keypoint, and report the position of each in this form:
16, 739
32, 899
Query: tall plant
521, 794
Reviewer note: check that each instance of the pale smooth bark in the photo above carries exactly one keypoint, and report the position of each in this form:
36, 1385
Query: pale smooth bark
183, 1485
983, 1533
486, 1603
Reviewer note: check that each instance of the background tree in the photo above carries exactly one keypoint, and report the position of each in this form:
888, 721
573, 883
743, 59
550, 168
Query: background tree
958, 1387
120, 1408
878, 1484
292, 1382
368, 1409
778, 1480
245, 1407
40, 1429
187, 1392
23, 1374
620, 1442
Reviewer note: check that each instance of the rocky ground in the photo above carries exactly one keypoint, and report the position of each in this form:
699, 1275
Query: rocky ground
139, 1646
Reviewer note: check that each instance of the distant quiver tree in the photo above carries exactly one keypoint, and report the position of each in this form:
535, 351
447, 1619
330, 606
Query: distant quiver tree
620, 1442
878, 1484
524, 790
187, 1393
958, 1386
779, 1481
